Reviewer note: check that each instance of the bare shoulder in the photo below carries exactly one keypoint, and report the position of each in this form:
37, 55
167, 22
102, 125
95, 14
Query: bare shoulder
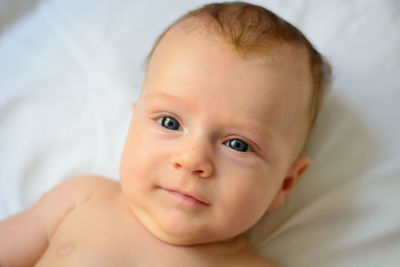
29, 232
58, 202
87, 184
77, 189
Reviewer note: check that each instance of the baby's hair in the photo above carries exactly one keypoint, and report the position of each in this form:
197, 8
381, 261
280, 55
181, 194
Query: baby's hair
253, 29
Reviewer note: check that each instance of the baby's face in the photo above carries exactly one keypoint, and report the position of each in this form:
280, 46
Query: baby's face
213, 137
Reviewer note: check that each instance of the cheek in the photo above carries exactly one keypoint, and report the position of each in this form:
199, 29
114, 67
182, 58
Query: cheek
144, 157
246, 197
255, 183
135, 160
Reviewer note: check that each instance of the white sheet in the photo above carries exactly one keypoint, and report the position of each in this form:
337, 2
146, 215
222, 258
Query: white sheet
70, 69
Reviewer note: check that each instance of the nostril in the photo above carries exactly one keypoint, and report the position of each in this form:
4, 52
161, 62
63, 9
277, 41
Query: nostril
177, 165
198, 172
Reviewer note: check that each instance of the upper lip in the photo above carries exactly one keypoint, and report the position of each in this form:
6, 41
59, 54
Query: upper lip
188, 194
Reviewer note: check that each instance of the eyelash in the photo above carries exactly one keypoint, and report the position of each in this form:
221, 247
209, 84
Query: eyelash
249, 147
230, 143
160, 121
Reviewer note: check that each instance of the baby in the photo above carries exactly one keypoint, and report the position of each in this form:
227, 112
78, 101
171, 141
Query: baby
216, 139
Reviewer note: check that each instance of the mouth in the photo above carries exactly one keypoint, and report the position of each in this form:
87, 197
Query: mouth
186, 198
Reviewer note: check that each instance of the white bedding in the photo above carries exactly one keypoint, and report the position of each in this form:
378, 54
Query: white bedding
70, 69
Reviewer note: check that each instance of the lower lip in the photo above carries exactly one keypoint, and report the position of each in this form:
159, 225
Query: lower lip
186, 200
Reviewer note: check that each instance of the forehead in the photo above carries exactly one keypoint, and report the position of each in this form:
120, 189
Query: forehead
184, 53
188, 51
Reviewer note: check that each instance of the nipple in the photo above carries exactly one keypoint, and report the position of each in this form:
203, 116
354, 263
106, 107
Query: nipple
65, 249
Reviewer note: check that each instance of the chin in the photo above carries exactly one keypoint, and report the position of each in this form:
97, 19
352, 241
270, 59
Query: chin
176, 227
180, 241
181, 237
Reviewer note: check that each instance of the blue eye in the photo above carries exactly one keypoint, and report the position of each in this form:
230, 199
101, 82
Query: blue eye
238, 145
170, 123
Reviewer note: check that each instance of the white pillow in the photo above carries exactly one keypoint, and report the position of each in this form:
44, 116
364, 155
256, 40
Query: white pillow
70, 69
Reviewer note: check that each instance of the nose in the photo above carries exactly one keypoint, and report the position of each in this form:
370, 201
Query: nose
195, 160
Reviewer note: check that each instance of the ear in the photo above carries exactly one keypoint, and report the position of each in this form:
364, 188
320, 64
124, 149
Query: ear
298, 167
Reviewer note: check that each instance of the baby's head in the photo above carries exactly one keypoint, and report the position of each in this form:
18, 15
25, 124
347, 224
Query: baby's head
229, 96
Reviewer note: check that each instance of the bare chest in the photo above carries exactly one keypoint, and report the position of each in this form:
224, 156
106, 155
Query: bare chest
104, 234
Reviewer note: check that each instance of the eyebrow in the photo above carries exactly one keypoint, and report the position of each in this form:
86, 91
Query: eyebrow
258, 129
176, 99
263, 134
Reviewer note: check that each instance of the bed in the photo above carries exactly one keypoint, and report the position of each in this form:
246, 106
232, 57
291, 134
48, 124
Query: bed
69, 71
